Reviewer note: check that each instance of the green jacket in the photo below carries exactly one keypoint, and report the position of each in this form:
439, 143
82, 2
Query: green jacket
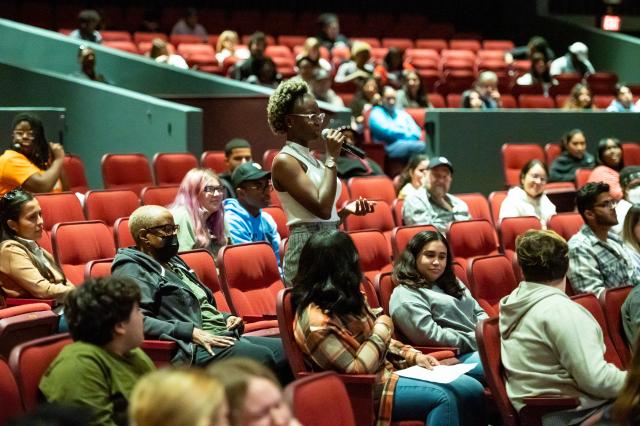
88, 375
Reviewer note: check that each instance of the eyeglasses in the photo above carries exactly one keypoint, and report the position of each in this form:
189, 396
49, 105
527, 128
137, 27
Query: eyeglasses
24, 134
609, 204
167, 229
261, 188
213, 189
312, 117
541, 178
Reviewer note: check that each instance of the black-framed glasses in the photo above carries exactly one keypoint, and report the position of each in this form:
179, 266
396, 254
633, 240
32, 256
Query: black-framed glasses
319, 117
210, 189
167, 229
609, 204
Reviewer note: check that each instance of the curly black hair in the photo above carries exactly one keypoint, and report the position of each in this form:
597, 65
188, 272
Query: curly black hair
41, 149
94, 308
282, 100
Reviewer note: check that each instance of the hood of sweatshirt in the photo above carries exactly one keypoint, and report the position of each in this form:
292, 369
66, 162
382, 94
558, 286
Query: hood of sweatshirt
516, 305
126, 255
232, 205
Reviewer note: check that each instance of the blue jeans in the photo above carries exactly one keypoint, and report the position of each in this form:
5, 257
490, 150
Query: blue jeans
405, 148
476, 372
460, 402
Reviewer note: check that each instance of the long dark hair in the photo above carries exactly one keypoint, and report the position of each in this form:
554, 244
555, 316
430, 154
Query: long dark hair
421, 97
10, 208
566, 138
329, 275
41, 150
602, 147
626, 408
414, 162
405, 271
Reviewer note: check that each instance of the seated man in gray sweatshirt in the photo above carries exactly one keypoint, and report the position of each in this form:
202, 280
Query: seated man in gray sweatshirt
550, 344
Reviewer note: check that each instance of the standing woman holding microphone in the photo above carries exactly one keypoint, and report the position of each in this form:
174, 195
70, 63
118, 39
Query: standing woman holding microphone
308, 188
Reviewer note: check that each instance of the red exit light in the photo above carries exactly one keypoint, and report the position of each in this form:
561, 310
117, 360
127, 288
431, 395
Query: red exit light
611, 23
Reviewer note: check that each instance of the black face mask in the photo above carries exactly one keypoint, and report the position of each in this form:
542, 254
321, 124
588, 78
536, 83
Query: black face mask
169, 249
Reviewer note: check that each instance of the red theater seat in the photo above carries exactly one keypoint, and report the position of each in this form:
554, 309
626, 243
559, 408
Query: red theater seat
214, 160
9, 394
472, 238
126, 171
171, 167
401, 235
514, 158
59, 207
30, 360
280, 218
551, 151
76, 243
511, 227
373, 251
251, 280
536, 101
108, 205
159, 195
611, 300
566, 224
75, 174
22, 323
372, 188
478, 205
490, 279
488, 338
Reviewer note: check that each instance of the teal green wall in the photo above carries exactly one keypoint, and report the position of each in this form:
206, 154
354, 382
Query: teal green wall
471, 140
102, 118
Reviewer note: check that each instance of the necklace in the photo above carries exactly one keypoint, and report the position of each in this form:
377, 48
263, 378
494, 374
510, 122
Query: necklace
305, 153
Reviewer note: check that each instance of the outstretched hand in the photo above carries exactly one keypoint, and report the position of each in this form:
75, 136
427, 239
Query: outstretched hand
360, 207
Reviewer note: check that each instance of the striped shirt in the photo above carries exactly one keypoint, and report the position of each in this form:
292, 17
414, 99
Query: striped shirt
354, 345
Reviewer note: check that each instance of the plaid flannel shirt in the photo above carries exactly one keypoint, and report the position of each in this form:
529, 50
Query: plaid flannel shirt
595, 265
350, 346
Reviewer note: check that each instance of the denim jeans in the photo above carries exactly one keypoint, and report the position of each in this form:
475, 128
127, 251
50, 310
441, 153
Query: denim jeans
460, 402
476, 372
405, 148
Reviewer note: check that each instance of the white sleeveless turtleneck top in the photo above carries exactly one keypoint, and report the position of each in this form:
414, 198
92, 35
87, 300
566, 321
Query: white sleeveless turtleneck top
295, 212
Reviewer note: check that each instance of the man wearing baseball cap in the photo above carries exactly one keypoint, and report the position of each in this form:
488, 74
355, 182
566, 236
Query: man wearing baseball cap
244, 220
433, 205
576, 60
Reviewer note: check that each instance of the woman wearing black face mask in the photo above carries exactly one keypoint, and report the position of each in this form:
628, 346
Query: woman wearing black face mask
177, 306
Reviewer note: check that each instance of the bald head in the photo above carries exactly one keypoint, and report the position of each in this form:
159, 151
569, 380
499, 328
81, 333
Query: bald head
146, 217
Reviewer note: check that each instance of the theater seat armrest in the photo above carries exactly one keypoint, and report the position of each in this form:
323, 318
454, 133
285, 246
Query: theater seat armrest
256, 318
19, 301
555, 401
158, 344
430, 350
360, 379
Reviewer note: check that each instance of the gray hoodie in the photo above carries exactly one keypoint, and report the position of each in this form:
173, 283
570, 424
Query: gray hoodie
552, 345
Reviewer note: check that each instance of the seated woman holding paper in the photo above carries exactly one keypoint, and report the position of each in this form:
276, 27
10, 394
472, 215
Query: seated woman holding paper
338, 330
431, 306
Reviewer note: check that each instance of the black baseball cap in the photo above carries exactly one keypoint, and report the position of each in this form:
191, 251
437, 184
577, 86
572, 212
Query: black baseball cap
439, 161
246, 172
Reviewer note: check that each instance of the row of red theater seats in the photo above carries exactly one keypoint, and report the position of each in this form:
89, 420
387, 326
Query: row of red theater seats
20, 376
134, 172
18, 385
291, 41
515, 156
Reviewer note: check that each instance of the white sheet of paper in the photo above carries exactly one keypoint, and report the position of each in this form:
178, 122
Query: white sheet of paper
439, 374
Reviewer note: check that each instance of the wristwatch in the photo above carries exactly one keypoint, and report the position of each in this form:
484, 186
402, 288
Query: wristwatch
330, 163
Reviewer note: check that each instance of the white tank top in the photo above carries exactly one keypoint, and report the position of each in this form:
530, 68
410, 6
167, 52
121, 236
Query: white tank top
295, 212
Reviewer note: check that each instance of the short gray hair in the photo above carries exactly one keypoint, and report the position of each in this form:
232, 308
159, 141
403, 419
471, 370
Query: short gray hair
487, 76
142, 218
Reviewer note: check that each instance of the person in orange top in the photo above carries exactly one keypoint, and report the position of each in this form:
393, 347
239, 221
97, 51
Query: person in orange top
31, 161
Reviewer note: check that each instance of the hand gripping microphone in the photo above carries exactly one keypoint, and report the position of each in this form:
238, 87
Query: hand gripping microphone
347, 147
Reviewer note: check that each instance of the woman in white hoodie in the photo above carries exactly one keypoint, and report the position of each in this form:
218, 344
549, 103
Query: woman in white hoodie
529, 198
550, 344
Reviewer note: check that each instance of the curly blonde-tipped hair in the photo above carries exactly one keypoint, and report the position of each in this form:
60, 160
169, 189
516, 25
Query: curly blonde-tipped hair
282, 100
543, 255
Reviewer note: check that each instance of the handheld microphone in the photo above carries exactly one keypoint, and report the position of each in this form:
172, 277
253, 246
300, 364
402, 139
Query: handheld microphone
347, 147
17, 146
